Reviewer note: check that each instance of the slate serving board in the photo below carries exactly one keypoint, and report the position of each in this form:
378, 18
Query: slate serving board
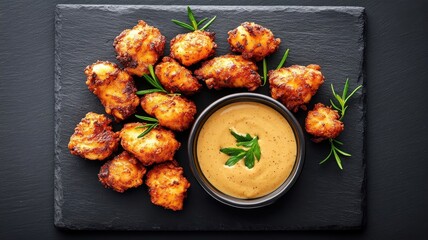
323, 197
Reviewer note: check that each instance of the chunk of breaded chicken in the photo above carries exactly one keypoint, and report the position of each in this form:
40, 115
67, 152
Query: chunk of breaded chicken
192, 47
167, 185
139, 47
159, 145
253, 41
323, 122
229, 71
122, 172
93, 138
115, 89
176, 78
172, 111
294, 86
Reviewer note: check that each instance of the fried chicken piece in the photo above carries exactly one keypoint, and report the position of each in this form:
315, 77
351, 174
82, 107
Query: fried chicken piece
176, 78
139, 47
167, 185
93, 138
114, 87
294, 86
323, 122
253, 41
173, 111
159, 145
122, 172
192, 47
229, 71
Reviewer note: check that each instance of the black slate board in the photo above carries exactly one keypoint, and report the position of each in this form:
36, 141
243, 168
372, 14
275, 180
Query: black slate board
323, 197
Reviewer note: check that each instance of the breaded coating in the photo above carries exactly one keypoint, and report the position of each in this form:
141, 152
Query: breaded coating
122, 172
192, 47
229, 71
323, 122
93, 138
253, 41
159, 145
139, 47
167, 185
176, 78
115, 89
294, 86
173, 111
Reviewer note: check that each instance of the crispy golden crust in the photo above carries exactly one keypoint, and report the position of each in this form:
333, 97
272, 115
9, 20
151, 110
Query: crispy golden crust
192, 47
167, 185
93, 138
253, 41
174, 112
139, 47
115, 89
323, 122
229, 71
159, 145
122, 172
176, 78
294, 86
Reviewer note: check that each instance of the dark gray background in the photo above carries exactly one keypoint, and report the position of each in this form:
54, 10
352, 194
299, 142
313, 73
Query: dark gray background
396, 148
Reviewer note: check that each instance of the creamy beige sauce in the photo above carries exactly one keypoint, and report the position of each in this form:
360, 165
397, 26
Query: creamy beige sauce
277, 143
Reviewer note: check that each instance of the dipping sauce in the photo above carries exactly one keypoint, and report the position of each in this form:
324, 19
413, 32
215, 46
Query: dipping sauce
277, 143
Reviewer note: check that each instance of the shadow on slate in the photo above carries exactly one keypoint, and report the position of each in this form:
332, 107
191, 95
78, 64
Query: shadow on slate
323, 197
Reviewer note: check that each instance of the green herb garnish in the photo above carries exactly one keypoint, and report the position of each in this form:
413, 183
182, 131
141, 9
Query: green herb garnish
249, 153
264, 77
284, 58
152, 123
335, 152
194, 24
153, 80
342, 100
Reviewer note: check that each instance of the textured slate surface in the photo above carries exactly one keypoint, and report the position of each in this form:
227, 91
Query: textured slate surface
322, 198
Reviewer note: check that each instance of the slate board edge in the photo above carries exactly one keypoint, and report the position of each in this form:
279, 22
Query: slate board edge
58, 190
363, 19
357, 10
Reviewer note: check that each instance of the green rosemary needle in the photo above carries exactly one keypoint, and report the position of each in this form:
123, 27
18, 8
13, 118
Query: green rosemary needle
264, 71
283, 59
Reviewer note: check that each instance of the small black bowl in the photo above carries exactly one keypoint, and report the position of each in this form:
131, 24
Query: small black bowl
233, 201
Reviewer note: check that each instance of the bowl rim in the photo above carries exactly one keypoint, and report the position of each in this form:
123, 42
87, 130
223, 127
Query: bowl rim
227, 199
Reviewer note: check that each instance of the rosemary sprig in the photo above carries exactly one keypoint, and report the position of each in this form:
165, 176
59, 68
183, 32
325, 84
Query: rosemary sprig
284, 58
153, 80
194, 25
342, 101
152, 123
249, 155
336, 151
